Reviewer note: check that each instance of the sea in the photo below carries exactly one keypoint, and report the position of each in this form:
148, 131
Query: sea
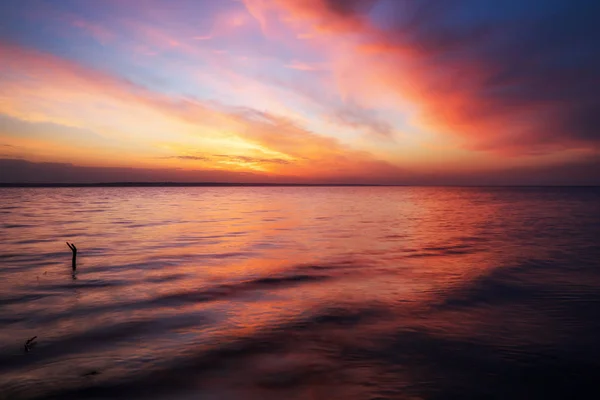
300, 293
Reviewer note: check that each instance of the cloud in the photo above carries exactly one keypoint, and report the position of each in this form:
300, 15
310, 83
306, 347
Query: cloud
98, 32
325, 16
252, 160
582, 172
190, 158
63, 93
23, 171
227, 159
513, 78
8, 151
302, 66
361, 118
509, 77
18, 129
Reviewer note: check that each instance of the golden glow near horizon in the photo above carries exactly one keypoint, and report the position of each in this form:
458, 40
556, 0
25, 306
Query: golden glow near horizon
294, 90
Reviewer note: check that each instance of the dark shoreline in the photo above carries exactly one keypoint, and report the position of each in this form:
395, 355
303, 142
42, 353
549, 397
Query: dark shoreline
239, 184
175, 184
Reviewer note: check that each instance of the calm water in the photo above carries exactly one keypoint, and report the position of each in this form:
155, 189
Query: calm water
300, 293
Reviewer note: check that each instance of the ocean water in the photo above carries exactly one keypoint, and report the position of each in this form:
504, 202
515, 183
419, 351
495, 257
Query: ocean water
300, 293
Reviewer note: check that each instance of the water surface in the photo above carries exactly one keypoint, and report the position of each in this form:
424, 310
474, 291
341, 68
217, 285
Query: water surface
295, 293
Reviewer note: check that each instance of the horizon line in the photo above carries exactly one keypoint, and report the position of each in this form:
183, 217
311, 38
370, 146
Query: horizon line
243, 184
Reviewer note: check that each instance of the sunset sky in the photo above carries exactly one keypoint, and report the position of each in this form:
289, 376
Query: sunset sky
320, 91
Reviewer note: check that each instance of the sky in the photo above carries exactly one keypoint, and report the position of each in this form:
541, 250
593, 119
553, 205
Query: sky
304, 91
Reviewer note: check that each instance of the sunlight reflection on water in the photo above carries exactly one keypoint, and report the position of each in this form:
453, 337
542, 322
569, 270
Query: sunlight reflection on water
299, 292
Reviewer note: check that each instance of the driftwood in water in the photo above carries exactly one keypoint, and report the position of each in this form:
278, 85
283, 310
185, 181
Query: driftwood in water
74, 250
29, 344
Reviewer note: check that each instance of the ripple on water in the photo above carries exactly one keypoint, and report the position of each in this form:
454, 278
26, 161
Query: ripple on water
466, 293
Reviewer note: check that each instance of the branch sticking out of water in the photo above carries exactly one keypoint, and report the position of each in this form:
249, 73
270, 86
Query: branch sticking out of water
29, 344
74, 250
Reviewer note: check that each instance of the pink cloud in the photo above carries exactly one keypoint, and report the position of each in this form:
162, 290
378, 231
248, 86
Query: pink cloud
98, 32
302, 66
203, 37
418, 65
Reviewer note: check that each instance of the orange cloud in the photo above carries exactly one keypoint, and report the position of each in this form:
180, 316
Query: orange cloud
45, 88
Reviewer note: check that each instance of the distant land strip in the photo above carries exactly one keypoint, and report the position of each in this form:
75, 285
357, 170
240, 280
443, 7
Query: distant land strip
241, 184
174, 184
